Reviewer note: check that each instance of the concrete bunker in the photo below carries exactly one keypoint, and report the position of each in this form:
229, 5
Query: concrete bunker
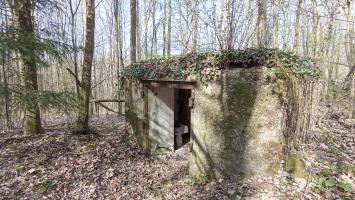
240, 111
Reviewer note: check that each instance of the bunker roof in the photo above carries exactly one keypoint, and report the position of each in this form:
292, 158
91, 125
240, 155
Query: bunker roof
206, 65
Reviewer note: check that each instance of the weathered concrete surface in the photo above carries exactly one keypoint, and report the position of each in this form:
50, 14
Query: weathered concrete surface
150, 116
237, 126
161, 119
134, 111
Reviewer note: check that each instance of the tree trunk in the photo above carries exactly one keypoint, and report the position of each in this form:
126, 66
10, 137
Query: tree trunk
73, 12
230, 18
119, 54
153, 47
195, 26
169, 30
219, 32
316, 19
7, 96
145, 35
22, 13
262, 28
164, 27
352, 97
133, 7
138, 31
85, 90
329, 50
297, 26
275, 22
350, 51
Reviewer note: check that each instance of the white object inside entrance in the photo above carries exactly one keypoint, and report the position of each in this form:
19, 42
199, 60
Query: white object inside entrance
179, 131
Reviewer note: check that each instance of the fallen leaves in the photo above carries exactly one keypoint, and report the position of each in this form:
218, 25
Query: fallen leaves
60, 165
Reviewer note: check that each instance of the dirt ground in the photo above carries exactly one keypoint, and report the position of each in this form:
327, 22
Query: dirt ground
61, 165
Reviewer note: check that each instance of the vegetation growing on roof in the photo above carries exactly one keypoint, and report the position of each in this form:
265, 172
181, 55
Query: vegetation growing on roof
206, 65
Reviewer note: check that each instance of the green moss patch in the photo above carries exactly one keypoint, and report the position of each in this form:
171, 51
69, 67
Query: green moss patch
295, 166
273, 155
43, 187
206, 65
135, 124
51, 138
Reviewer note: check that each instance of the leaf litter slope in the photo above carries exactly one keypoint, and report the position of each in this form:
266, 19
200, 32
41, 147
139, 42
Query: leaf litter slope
60, 165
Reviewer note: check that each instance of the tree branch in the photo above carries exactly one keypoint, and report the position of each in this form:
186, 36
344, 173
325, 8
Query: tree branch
351, 73
75, 77
106, 107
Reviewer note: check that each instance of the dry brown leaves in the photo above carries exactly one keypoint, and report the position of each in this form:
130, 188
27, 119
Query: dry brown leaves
60, 165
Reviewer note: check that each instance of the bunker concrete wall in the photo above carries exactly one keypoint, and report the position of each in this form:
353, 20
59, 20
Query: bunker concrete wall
237, 126
134, 110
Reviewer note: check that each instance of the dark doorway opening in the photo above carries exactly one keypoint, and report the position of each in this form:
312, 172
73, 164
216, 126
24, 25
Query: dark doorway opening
182, 117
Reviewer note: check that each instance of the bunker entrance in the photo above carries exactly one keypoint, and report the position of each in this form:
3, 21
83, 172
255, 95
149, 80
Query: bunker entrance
168, 110
182, 117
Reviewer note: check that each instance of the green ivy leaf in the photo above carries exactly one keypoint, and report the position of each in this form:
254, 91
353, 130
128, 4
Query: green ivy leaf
330, 183
346, 187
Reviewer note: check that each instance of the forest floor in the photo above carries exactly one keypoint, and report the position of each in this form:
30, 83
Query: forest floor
110, 165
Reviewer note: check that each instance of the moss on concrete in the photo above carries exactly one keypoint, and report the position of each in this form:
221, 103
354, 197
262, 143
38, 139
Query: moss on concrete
205, 65
295, 166
273, 156
206, 144
135, 125
238, 136
134, 111
280, 88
